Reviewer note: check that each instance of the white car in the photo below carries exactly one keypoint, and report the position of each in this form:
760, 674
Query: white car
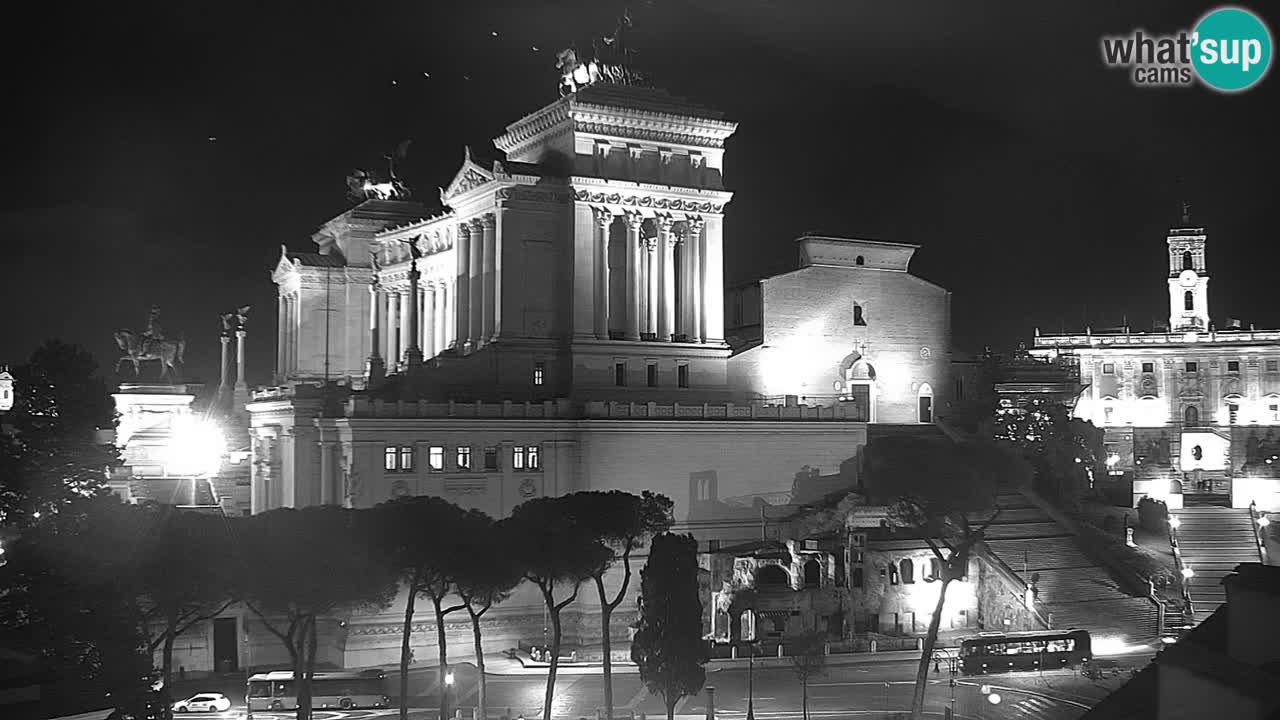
204, 702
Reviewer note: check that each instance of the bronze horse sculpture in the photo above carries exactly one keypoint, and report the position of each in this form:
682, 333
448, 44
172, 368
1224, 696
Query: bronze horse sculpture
138, 350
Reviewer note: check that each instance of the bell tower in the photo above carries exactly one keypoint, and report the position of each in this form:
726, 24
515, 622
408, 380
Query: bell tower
1188, 276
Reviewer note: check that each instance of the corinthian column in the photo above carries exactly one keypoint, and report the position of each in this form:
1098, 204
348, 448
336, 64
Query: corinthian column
651, 286
693, 241
604, 220
374, 368
667, 276
462, 297
634, 269
281, 319
393, 320
489, 316
476, 275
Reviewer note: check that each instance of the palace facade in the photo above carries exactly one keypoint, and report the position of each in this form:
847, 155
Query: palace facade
1189, 407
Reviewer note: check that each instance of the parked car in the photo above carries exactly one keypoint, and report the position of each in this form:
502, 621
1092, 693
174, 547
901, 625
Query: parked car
203, 702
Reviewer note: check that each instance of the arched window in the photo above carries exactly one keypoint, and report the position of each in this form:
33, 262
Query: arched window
924, 403
858, 319
908, 570
859, 261
772, 576
812, 574
1191, 416
935, 570
1188, 301
857, 577
1188, 262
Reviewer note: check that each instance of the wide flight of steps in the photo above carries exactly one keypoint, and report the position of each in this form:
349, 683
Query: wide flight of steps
1074, 591
1213, 541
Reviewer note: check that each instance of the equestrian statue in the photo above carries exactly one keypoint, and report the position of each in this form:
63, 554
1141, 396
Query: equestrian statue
151, 345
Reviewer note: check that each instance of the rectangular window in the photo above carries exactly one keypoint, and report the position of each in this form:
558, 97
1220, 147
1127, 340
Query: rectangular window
389, 458
1273, 365
1108, 368
1148, 367
620, 374
1193, 366
1275, 412
959, 389
435, 458
652, 374
1106, 414
517, 457
406, 458
533, 457
539, 370
1233, 413
682, 376
464, 458
491, 458
1233, 366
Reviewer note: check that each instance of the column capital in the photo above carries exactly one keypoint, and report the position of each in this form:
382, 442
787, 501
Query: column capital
603, 216
464, 228
634, 220
665, 223
650, 243
488, 221
693, 225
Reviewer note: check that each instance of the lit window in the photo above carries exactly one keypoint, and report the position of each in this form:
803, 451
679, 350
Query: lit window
1148, 367
398, 458
491, 458
435, 458
682, 376
517, 457
1233, 366
406, 458
1193, 366
538, 372
1233, 413
1108, 368
533, 457
620, 374
1106, 414
464, 458
1273, 365
652, 375
1275, 412
389, 458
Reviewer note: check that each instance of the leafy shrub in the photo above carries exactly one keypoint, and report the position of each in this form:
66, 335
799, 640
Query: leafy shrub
1153, 515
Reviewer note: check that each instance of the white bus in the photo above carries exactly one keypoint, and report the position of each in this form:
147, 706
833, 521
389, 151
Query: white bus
346, 690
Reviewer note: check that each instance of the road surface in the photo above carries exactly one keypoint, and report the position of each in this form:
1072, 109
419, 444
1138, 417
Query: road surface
856, 690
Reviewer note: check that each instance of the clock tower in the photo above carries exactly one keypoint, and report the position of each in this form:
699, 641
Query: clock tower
1188, 278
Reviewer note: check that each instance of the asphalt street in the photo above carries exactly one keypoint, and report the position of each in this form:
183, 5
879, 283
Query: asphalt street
854, 690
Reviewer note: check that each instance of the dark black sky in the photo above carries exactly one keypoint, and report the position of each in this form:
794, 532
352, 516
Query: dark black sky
1038, 181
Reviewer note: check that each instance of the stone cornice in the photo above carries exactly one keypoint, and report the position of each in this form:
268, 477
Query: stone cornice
528, 128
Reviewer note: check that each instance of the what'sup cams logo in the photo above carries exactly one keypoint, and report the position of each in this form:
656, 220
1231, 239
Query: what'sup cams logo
1229, 50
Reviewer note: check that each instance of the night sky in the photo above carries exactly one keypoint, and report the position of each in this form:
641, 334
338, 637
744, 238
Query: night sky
160, 153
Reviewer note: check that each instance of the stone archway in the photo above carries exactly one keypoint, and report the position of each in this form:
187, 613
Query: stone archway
858, 384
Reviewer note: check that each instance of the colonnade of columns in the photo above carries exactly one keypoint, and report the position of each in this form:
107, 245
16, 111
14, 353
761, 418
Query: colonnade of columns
393, 314
651, 278
479, 288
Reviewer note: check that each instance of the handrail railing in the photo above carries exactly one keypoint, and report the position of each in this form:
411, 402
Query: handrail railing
1259, 526
1182, 568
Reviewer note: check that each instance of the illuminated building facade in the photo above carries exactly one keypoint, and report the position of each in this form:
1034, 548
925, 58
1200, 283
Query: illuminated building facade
1189, 407
560, 326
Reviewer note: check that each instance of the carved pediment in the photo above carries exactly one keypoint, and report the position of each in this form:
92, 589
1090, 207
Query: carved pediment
470, 176
284, 267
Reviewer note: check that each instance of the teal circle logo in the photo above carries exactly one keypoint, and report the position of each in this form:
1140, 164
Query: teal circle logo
1231, 49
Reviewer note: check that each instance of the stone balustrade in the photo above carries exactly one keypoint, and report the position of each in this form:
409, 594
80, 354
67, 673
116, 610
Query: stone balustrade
1171, 338
362, 407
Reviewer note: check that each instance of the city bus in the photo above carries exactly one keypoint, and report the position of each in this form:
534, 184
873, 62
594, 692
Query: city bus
1046, 650
346, 690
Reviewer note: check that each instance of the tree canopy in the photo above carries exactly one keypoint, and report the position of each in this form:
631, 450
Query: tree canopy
668, 645
55, 450
1066, 454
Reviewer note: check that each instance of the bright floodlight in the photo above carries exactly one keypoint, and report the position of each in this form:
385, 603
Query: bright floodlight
448, 678
196, 447
1188, 573
994, 698
1264, 521
1174, 522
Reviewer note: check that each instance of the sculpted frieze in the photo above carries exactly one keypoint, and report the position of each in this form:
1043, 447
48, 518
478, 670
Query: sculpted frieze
648, 201
649, 134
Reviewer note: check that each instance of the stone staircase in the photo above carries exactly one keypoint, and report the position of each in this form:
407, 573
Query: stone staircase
1074, 591
1213, 541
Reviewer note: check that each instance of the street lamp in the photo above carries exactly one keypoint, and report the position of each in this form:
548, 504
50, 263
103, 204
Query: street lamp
751, 672
1187, 572
448, 685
